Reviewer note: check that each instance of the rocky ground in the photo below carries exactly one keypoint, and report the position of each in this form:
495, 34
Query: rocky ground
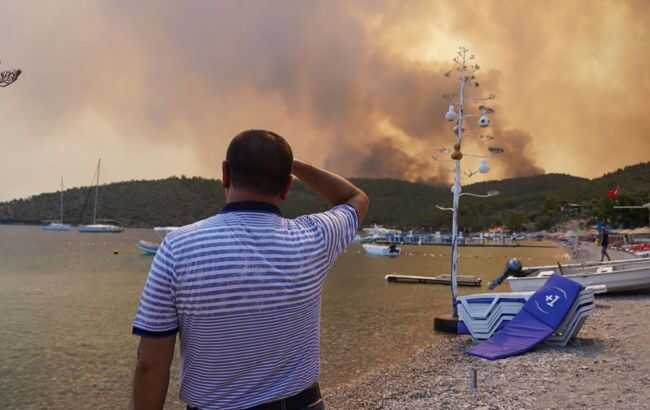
606, 367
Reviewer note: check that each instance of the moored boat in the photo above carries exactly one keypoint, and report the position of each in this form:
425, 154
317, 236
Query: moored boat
165, 229
150, 248
616, 276
381, 250
100, 228
147, 248
58, 226
95, 227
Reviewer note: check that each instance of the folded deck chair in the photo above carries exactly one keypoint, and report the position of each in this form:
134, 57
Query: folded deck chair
538, 319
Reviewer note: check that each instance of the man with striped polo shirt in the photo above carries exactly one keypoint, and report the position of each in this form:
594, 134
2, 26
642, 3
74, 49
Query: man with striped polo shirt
243, 288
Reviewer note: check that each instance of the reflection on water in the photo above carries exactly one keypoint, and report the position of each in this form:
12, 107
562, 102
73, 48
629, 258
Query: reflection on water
67, 301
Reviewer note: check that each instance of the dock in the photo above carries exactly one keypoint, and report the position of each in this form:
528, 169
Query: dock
462, 280
460, 244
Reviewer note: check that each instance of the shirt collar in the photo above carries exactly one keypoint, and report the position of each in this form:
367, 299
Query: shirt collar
251, 206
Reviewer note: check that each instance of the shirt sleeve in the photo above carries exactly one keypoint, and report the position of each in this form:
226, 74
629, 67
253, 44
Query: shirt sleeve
156, 315
339, 225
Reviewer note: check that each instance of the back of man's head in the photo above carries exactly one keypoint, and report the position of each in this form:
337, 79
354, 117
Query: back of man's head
259, 161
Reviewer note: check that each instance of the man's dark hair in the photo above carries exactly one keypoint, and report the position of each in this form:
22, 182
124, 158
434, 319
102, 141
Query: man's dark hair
260, 161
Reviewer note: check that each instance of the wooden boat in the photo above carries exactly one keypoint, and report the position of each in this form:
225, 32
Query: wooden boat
461, 280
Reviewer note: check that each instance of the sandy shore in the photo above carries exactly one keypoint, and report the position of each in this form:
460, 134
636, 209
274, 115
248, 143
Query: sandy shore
606, 367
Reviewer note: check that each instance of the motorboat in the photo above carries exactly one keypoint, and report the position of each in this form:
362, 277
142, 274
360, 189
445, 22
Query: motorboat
616, 276
147, 248
381, 250
377, 233
150, 248
165, 229
101, 228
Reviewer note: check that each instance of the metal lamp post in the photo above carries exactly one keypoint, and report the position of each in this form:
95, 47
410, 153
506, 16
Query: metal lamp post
9, 77
456, 114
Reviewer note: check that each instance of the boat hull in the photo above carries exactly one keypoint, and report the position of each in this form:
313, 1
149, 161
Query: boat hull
56, 227
147, 248
380, 250
165, 229
617, 281
582, 267
100, 229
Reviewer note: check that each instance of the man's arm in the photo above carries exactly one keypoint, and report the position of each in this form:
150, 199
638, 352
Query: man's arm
151, 379
334, 188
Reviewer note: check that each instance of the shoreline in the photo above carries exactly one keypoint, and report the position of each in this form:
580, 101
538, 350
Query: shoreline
606, 366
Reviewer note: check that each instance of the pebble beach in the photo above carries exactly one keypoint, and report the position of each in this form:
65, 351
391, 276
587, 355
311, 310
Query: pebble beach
606, 367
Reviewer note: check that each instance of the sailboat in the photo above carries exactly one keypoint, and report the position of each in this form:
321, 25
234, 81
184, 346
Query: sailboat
95, 227
58, 226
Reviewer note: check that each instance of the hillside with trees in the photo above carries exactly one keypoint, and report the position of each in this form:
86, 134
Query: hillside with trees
536, 202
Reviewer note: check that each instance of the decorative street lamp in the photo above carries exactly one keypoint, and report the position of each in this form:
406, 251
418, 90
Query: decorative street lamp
456, 114
9, 77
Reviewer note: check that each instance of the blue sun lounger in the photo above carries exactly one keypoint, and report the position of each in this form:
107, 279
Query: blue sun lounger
538, 319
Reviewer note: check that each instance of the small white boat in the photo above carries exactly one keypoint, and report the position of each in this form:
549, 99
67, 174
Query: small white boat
165, 229
148, 248
377, 233
615, 276
58, 226
381, 250
100, 228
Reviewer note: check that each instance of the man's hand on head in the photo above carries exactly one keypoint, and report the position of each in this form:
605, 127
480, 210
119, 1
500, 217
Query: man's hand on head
334, 188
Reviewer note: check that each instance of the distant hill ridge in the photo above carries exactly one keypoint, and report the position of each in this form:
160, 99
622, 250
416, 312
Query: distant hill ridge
534, 202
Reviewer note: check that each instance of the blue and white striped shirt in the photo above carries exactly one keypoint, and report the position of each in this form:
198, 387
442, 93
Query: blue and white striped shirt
243, 288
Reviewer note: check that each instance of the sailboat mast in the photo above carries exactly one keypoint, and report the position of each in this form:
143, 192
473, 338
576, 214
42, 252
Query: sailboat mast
61, 200
96, 192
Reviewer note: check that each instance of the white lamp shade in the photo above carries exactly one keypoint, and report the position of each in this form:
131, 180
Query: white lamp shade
484, 168
451, 114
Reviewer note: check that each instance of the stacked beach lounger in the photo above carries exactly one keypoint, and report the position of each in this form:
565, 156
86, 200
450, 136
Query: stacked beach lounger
484, 314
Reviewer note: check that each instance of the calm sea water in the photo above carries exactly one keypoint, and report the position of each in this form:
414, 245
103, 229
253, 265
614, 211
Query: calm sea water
67, 300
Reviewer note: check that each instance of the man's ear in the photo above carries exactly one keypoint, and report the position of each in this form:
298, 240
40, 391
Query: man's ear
285, 191
225, 174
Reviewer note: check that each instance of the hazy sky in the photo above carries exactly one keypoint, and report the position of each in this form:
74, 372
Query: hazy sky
158, 88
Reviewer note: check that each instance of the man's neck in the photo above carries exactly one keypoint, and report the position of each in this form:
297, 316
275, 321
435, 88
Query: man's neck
237, 195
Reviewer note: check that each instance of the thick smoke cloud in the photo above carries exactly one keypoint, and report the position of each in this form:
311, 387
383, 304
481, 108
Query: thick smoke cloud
512, 163
159, 87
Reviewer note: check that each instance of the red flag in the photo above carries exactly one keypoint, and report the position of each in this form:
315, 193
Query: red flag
613, 193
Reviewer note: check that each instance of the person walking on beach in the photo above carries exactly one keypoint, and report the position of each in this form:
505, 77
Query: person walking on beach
604, 243
243, 288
